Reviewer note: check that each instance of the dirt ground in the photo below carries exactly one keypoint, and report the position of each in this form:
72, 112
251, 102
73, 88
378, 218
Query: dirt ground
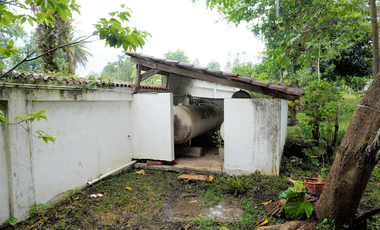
136, 201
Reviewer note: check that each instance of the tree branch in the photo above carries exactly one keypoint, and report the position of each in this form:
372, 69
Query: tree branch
19, 123
367, 214
58, 47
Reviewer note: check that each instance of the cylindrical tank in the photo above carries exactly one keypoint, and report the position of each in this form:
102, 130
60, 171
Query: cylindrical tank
193, 120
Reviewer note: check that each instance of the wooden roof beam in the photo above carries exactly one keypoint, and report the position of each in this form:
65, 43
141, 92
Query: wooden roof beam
215, 79
149, 73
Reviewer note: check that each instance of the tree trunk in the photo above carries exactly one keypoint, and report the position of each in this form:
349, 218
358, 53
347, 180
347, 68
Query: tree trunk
353, 164
375, 37
319, 60
282, 76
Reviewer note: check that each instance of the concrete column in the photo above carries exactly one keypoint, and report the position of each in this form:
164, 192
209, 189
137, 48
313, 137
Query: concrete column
255, 131
20, 177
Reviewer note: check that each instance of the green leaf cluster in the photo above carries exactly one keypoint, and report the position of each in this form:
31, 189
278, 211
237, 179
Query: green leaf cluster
296, 206
117, 35
236, 185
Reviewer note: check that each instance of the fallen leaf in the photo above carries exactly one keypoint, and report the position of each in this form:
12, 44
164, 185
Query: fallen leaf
141, 172
210, 178
129, 188
265, 203
261, 223
193, 201
223, 228
189, 225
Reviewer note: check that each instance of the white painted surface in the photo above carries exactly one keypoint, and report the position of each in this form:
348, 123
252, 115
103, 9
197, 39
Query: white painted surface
91, 141
254, 131
180, 85
152, 126
90, 126
4, 188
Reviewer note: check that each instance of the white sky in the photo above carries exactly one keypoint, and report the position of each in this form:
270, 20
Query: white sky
173, 24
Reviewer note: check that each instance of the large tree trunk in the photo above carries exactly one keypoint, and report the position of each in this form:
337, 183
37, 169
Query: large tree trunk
353, 164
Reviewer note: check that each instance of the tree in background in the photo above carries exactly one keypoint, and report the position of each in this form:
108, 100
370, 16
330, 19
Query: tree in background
237, 59
213, 65
229, 57
178, 55
76, 55
120, 70
246, 69
50, 35
303, 35
196, 62
110, 30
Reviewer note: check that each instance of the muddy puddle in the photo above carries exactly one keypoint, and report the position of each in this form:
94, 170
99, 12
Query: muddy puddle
182, 206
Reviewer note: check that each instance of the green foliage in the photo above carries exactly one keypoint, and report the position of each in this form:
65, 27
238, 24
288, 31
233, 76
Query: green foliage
247, 69
31, 117
121, 70
213, 65
116, 35
3, 120
178, 55
296, 205
306, 36
9, 50
46, 137
12, 221
236, 185
218, 139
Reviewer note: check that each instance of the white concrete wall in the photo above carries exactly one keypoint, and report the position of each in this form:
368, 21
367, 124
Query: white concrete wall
254, 135
180, 85
4, 188
152, 127
91, 127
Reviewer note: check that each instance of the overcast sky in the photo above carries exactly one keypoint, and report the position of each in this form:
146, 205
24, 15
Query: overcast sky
173, 24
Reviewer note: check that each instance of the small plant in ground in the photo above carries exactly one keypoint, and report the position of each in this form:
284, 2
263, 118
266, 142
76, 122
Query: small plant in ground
39, 209
12, 221
296, 205
237, 186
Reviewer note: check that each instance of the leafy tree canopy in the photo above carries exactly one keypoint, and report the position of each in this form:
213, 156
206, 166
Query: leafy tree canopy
178, 55
213, 65
111, 30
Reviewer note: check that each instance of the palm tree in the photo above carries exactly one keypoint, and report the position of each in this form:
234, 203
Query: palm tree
77, 54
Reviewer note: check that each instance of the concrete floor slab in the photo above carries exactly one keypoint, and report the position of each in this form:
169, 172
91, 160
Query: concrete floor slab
208, 163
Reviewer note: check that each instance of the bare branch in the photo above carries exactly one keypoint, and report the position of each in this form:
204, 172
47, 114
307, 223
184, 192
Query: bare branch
368, 214
58, 47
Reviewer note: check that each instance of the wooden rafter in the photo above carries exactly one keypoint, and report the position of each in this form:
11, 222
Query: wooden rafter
149, 73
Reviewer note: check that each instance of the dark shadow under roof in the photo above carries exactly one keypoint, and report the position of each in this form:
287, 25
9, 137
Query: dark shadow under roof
229, 79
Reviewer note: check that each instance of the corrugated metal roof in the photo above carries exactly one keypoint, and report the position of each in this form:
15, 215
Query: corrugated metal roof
35, 78
231, 76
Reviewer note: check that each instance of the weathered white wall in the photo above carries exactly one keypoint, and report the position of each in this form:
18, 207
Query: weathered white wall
152, 127
254, 135
4, 188
91, 127
180, 85
91, 140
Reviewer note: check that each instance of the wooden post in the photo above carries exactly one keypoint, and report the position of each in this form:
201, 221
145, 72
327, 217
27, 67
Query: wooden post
137, 80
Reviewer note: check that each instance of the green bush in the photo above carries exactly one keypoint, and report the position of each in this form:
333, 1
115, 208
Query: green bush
237, 186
